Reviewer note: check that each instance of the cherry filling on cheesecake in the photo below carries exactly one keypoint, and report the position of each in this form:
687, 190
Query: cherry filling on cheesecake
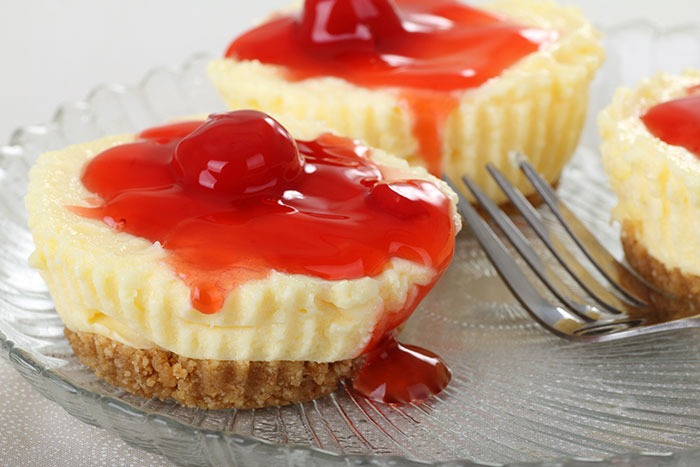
427, 49
236, 197
677, 122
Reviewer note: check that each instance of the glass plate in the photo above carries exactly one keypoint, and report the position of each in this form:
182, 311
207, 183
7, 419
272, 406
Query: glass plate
519, 395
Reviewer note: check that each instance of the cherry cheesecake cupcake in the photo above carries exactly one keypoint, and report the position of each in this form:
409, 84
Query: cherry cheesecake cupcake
436, 82
651, 152
236, 261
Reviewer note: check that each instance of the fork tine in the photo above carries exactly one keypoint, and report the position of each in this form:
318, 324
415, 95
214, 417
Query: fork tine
596, 253
608, 326
518, 240
587, 282
541, 310
631, 329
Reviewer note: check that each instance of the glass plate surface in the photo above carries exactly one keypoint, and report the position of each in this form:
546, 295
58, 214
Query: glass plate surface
519, 395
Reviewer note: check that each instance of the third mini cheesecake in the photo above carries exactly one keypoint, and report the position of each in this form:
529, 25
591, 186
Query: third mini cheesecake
651, 151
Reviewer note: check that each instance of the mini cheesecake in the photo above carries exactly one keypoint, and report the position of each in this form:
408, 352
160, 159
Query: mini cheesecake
438, 83
234, 262
651, 152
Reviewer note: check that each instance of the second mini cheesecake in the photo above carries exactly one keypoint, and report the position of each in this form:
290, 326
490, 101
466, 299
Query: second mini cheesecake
437, 83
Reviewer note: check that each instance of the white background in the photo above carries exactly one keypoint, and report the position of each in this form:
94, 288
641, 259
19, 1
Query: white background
55, 51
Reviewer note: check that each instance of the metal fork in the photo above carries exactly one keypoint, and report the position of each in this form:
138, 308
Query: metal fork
629, 306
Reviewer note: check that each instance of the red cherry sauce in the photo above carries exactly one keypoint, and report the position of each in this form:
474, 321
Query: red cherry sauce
398, 373
428, 49
677, 122
235, 198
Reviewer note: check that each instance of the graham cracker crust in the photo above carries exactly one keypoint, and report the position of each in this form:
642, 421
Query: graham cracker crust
208, 384
686, 287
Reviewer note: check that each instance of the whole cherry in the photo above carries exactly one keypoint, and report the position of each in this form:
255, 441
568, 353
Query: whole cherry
334, 27
238, 154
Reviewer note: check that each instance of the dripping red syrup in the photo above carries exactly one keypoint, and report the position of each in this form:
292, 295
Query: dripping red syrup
677, 122
396, 373
429, 50
236, 197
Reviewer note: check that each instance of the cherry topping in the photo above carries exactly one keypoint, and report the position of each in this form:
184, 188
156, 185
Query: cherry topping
238, 154
334, 27
676, 122
400, 199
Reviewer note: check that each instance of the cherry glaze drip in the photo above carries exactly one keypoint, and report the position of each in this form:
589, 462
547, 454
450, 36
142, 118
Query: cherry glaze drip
324, 211
677, 122
398, 373
427, 48
430, 110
